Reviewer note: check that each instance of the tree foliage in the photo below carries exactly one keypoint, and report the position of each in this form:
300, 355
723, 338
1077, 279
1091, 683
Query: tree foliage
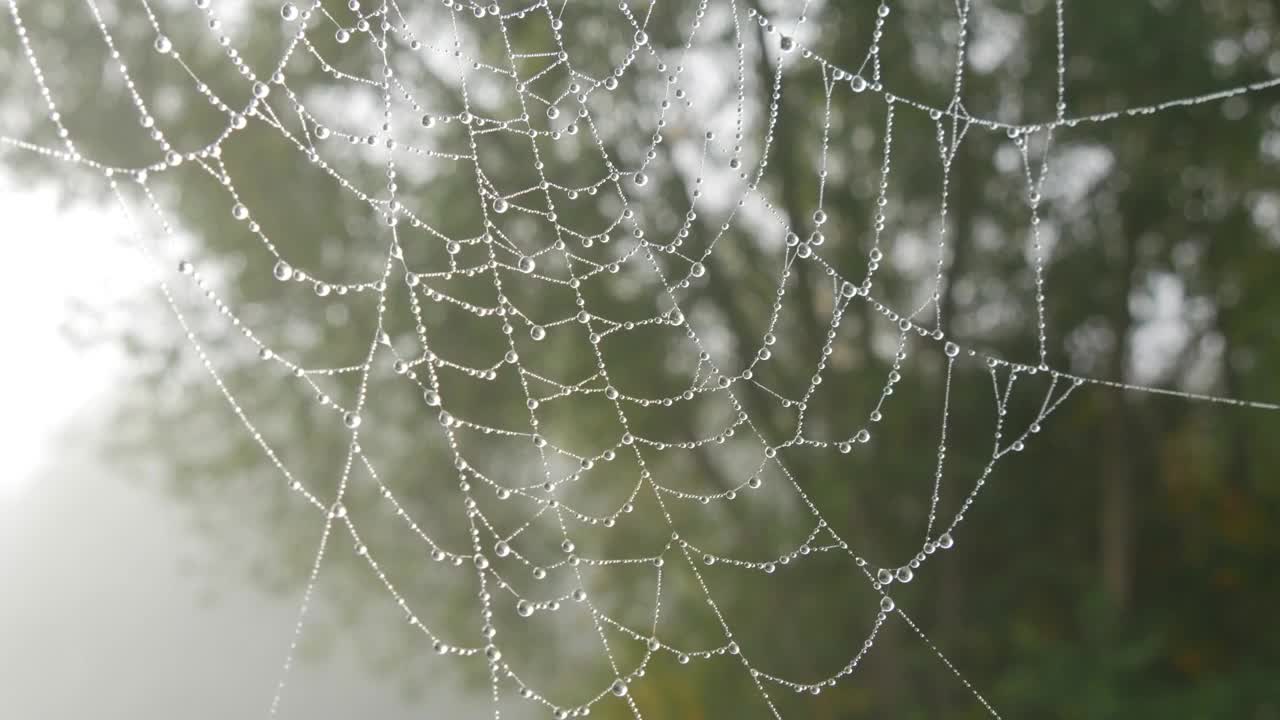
1118, 567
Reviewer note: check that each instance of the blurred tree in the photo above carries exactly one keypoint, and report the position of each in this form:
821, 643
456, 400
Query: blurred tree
1119, 567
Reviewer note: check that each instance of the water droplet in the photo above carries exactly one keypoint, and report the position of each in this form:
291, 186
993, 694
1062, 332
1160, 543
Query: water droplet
163, 46
904, 574
857, 83
579, 595
618, 688
787, 43
500, 205
641, 38
289, 12
864, 435
185, 267
342, 36
526, 264
282, 271
351, 420
886, 604
567, 546
883, 576
951, 349
261, 90
432, 397
239, 212
640, 179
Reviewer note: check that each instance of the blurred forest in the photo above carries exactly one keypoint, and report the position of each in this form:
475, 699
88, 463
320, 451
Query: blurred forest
1121, 566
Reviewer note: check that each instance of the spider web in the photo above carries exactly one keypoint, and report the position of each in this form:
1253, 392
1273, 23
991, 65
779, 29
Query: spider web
517, 245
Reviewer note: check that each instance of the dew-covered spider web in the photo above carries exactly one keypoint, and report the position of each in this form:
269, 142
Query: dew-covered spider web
505, 98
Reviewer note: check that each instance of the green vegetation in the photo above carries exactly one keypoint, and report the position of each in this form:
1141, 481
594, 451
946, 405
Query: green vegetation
1121, 566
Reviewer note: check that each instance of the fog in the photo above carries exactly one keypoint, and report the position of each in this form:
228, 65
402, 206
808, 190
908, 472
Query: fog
111, 601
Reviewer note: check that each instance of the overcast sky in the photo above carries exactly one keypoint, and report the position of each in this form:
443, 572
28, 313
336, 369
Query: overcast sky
98, 618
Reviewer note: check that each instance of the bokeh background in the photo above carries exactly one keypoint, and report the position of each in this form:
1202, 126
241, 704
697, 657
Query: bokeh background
1121, 566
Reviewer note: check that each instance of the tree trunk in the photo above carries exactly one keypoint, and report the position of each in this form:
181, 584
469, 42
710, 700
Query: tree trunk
1116, 516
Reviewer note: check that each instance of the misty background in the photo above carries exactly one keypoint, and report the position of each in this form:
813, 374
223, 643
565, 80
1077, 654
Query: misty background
1122, 566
